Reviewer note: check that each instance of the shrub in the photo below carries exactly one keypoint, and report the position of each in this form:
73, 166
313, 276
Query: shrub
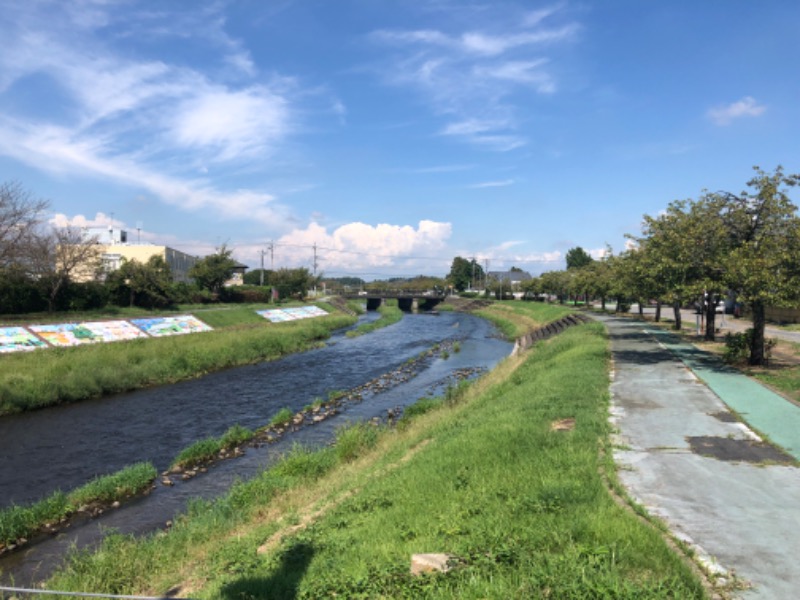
737, 346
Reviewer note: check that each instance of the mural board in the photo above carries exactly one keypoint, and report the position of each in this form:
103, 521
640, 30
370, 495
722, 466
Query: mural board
65, 334
18, 339
163, 326
75, 334
294, 313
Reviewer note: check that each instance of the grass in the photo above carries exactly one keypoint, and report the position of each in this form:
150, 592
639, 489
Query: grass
43, 378
205, 450
390, 314
515, 318
523, 510
282, 417
19, 522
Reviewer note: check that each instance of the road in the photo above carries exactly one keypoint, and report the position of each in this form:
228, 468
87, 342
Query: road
687, 458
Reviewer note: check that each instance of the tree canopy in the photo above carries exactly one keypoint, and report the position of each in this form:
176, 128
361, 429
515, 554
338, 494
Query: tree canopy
578, 258
464, 273
211, 273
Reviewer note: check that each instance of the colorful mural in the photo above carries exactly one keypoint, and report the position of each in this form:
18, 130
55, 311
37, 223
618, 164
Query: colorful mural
74, 334
66, 334
17, 339
294, 313
161, 326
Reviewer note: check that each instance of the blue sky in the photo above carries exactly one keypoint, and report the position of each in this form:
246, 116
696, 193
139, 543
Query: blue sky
393, 135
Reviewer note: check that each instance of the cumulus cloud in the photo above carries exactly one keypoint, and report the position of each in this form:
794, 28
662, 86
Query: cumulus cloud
358, 246
725, 114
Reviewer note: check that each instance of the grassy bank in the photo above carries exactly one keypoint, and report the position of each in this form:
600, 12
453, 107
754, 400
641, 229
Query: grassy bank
55, 375
20, 522
515, 318
520, 506
390, 314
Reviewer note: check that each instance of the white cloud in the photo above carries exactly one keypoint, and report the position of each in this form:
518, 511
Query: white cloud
492, 184
725, 114
141, 122
239, 123
471, 77
382, 245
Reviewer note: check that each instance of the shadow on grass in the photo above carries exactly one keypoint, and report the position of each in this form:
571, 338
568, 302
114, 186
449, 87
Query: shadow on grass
284, 581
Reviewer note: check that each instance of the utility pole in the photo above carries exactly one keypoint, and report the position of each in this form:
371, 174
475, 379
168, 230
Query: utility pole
261, 279
485, 274
472, 280
315, 269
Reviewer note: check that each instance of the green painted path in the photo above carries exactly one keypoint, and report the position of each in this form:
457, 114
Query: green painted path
764, 410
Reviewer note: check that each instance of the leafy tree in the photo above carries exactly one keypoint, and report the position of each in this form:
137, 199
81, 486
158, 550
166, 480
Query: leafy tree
463, 273
556, 283
763, 268
254, 277
578, 258
211, 273
148, 285
293, 283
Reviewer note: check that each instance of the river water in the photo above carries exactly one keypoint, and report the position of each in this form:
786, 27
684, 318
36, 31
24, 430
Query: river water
64, 447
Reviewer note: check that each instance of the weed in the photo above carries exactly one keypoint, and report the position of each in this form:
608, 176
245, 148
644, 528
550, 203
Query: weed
281, 418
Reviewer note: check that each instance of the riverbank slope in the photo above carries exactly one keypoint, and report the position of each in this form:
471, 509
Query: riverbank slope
507, 477
46, 377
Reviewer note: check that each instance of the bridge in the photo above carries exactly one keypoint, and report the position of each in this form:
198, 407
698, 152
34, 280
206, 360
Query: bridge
406, 301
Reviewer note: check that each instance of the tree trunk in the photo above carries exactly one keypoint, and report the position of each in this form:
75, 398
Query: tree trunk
603, 303
676, 309
641, 309
711, 313
757, 340
658, 311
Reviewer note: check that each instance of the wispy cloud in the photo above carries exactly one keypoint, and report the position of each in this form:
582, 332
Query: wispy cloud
139, 121
469, 77
492, 184
725, 114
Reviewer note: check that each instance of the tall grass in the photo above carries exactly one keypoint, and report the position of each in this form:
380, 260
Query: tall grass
207, 449
522, 509
56, 375
18, 522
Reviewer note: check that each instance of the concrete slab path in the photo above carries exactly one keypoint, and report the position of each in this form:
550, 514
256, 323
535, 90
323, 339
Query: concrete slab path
688, 460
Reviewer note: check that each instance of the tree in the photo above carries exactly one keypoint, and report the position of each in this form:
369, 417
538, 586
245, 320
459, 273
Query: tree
763, 267
57, 255
464, 273
293, 283
20, 216
578, 258
148, 285
211, 273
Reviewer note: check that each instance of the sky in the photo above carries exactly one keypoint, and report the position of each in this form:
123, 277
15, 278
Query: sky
383, 138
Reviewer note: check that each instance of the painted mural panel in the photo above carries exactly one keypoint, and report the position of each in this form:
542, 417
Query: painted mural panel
162, 326
18, 339
66, 334
114, 331
281, 315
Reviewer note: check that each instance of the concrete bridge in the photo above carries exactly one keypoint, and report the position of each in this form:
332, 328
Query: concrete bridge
406, 301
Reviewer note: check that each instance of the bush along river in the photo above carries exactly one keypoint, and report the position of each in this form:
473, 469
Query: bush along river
374, 375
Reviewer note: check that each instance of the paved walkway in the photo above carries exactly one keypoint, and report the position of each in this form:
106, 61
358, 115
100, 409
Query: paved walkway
687, 458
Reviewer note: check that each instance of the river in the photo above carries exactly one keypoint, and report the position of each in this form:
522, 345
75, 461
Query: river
64, 447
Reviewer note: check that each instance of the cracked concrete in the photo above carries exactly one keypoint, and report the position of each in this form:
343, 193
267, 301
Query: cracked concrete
739, 513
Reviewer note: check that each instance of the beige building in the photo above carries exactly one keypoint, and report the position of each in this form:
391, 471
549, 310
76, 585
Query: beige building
115, 249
